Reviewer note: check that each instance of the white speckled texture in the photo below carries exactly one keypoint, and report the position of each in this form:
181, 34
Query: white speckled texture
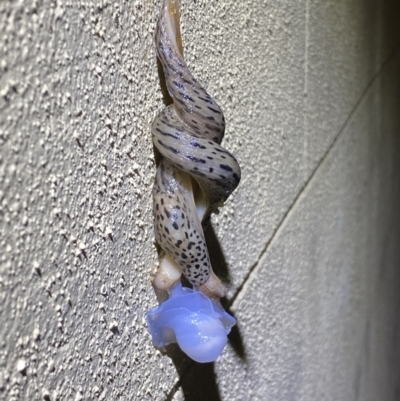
311, 93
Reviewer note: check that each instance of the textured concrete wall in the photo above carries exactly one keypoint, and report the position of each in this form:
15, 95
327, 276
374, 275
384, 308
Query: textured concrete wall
308, 244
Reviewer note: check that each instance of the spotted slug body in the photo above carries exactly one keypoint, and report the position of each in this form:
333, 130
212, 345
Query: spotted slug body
196, 174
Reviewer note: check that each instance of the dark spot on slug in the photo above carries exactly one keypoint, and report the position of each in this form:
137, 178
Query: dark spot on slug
186, 97
214, 110
225, 167
173, 150
197, 145
206, 100
178, 85
195, 159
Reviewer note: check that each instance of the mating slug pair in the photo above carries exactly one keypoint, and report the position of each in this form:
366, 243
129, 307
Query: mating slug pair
194, 177
196, 174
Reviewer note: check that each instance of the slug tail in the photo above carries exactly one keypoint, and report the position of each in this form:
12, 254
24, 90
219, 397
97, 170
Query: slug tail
173, 22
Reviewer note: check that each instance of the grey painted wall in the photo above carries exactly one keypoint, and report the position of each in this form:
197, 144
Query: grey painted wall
308, 244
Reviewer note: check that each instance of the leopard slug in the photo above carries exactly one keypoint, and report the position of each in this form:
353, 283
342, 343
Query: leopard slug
196, 174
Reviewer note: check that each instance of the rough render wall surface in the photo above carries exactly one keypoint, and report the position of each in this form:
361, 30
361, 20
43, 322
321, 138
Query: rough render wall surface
308, 244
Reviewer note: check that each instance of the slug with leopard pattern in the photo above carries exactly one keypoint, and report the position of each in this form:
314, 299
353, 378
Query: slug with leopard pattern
195, 176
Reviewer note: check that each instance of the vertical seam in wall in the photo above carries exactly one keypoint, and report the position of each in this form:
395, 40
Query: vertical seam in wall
305, 92
257, 265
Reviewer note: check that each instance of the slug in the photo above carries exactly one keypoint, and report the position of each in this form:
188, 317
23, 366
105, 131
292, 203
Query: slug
196, 175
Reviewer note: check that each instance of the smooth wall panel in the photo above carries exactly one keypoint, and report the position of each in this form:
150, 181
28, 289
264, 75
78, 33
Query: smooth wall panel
347, 43
318, 319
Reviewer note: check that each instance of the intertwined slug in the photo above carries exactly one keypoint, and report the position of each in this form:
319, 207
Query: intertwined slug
196, 174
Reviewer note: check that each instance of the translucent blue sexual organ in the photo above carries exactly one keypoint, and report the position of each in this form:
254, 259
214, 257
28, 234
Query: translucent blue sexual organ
199, 326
